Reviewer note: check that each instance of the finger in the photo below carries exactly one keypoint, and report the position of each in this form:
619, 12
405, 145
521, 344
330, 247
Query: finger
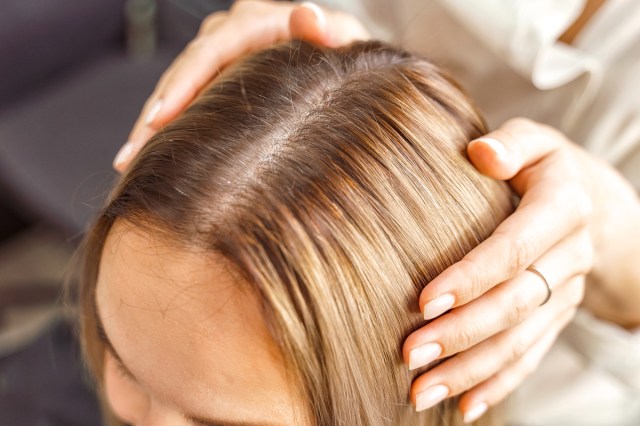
205, 57
493, 390
344, 29
309, 22
142, 130
214, 48
502, 307
223, 38
129, 150
547, 213
157, 109
472, 367
518, 143
327, 28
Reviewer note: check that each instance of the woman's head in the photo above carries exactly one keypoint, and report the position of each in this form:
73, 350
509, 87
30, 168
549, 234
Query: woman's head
262, 258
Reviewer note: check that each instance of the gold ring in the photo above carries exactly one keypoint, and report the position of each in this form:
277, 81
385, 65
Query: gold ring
538, 272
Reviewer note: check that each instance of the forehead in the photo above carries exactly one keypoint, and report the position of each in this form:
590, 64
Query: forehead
187, 327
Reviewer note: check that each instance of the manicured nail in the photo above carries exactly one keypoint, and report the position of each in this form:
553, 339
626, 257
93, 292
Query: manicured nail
317, 10
124, 155
438, 306
475, 412
430, 397
497, 147
153, 112
423, 355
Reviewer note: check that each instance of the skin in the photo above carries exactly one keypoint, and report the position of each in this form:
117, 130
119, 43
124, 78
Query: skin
190, 333
578, 221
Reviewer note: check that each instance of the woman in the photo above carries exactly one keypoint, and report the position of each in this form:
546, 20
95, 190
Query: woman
257, 262
572, 65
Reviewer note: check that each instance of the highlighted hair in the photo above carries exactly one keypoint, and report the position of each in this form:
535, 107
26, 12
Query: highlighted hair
335, 182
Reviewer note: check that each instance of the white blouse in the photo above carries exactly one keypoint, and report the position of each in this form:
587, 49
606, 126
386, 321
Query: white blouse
506, 54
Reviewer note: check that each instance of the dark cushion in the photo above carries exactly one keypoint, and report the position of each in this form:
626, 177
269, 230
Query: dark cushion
56, 150
45, 384
41, 38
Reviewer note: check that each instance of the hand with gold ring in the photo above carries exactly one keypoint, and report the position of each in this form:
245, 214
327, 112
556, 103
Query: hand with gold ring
497, 312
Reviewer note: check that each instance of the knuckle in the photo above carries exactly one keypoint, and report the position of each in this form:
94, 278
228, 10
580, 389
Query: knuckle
212, 20
522, 253
475, 286
505, 246
465, 338
518, 309
461, 335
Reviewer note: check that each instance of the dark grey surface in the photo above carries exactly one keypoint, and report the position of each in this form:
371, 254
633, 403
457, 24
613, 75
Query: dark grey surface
46, 385
42, 39
69, 95
56, 150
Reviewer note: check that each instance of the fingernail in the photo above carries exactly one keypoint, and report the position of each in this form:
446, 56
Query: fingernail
423, 355
317, 10
430, 397
475, 412
438, 306
123, 155
153, 112
497, 147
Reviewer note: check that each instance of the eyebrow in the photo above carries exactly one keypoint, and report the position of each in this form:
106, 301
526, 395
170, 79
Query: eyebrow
200, 421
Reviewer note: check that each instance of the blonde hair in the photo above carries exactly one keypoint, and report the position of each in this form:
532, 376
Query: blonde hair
336, 183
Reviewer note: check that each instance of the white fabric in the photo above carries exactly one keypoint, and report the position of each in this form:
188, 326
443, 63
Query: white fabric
505, 54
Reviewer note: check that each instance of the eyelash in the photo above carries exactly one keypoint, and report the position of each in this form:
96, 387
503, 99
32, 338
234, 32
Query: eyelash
197, 422
120, 369
122, 372
102, 335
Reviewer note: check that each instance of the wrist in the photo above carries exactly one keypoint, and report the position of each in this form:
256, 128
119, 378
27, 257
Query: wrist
613, 286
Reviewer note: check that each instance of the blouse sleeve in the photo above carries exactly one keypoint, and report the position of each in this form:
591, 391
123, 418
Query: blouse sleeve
606, 346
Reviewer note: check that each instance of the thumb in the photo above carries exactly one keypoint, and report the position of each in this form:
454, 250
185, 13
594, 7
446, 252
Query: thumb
517, 144
325, 27
309, 22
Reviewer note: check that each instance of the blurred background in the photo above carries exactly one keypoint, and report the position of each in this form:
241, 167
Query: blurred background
73, 77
